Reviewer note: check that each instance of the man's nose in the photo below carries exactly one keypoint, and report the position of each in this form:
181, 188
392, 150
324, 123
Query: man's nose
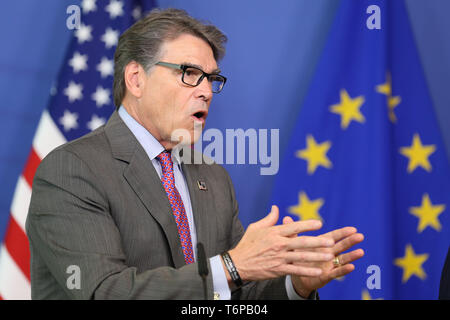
204, 89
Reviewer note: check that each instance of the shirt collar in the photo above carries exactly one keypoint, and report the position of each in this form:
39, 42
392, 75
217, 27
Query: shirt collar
151, 146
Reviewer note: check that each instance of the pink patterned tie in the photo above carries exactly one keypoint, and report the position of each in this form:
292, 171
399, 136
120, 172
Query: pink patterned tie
177, 205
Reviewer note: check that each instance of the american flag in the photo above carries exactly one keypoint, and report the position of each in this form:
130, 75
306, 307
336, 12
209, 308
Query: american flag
81, 101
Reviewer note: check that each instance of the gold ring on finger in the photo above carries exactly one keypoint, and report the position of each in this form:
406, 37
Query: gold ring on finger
336, 261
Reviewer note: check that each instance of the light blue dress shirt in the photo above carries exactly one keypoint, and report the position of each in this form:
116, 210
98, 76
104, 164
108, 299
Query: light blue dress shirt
153, 148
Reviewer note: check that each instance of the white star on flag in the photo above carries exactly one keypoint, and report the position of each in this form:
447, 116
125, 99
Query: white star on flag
84, 33
101, 96
88, 6
106, 67
114, 8
95, 122
69, 120
78, 62
73, 91
110, 37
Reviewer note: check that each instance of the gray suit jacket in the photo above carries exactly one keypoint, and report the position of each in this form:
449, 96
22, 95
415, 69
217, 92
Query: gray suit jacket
98, 207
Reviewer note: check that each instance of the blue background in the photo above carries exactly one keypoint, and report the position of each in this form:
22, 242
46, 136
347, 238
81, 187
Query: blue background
271, 56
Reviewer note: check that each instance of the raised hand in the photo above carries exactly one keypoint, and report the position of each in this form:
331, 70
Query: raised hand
269, 251
340, 265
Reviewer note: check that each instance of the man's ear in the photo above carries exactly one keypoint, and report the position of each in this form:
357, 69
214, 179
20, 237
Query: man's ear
134, 78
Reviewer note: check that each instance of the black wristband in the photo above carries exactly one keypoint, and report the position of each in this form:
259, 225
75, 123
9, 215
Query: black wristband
232, 269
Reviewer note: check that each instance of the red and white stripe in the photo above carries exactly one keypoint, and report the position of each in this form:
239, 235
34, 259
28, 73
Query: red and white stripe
14, 251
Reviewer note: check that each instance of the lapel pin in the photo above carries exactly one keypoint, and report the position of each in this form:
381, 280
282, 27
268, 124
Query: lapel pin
201, 185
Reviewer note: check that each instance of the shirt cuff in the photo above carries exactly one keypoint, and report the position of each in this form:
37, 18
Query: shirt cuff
220, 283
293, 295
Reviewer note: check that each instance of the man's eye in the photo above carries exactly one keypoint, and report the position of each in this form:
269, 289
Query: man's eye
192, 72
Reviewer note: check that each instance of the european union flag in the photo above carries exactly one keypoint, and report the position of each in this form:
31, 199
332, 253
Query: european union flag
367, 152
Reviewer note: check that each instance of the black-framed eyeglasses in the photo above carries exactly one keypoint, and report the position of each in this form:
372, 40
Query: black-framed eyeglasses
193, 76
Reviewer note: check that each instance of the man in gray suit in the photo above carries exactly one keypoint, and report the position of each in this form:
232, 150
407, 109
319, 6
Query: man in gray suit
117, 213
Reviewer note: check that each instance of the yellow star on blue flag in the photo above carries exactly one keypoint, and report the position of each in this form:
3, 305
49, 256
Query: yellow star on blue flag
374, 157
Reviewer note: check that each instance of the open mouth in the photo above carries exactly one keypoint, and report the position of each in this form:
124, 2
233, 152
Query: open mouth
200, 115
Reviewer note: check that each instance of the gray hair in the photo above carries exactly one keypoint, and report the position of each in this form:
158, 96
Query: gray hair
142, 42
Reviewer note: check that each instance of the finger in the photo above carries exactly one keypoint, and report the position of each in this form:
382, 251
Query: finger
307, 242
269, 220
341, 271
350, 257
287, 220
307, 256
347, 243
298, 227
339, 234
301, 271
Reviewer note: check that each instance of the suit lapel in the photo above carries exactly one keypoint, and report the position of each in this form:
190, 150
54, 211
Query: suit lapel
144, 180
191, 175
203, 218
